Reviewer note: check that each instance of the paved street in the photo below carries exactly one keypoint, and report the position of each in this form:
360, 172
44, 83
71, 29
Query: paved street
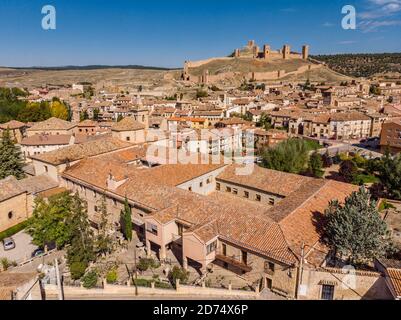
23, 248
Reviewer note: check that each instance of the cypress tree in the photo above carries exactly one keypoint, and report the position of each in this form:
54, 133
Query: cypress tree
11, 162
126, 220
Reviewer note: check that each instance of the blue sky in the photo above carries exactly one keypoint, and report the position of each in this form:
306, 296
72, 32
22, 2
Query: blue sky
167, 32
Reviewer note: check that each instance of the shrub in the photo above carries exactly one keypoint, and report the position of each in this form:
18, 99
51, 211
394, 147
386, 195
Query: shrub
111, 276
89, 280
77, 269
5, 263
178, 273
13, 230
147, 263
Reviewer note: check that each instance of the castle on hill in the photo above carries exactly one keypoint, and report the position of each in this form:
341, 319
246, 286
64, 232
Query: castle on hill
253, 50
200, 72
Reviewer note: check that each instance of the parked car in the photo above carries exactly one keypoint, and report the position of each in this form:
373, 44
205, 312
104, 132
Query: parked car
8, 244
38, 252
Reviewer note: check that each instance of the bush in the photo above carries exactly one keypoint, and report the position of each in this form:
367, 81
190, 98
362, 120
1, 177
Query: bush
13, 230
111, 276
362, 179
77, 269
148, 283
147, 263
89, 280
5, 263
178, 273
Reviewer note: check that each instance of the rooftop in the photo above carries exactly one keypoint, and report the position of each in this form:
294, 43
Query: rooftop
127, 124
52, 124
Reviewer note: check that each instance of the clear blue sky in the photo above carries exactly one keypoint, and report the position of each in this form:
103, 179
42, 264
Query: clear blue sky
165, 33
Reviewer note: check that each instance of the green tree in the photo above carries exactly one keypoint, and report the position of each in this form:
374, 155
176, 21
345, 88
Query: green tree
355, 230
264, 122
103, 240
289, 156
83, 115
11, 162
126, 220
119, 118
49, 221
96, 113
315, 165
35, 112
390, 175
348, 170
81, 249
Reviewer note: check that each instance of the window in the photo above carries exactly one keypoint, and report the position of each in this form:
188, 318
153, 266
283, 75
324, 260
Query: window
209, 180
128, 138
152, 228
235, 191
211, 247
45, 167
258, 197
269, 267
10, 215
228, 189
246, 194
327, 292
244, 257
271, 201
224, 249
96, 208
218, 186
201, 184
190, 189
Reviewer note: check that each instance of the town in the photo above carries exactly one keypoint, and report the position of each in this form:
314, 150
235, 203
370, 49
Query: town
260, 175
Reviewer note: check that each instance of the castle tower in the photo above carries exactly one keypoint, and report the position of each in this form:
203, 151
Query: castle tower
266, 51
305, 52
251, 43
186, 71
255, 51
286, 51
237, 53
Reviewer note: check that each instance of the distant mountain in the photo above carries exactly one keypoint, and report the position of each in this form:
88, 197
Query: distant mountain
93, 67
363, 65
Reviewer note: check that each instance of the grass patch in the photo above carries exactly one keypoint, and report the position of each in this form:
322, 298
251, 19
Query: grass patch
361, 179
13, 230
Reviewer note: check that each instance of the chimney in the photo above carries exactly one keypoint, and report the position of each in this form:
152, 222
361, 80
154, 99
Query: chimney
112, 183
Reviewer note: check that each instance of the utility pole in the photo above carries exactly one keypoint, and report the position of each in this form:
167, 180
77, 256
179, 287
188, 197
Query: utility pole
58, 279
136, 275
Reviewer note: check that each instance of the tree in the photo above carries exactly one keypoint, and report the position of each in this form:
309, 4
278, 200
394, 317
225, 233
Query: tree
315, 165
201, 94
49, 221
11, 162
126, 220
355, 230
35, 112
264, 122
81, 250
348, 170
59, 110
289, 156
96, 113
103, 241
327, 160
119, 118
83, 115
390, 175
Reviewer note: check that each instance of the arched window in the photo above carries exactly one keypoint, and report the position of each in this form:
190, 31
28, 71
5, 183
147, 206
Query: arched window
10, 215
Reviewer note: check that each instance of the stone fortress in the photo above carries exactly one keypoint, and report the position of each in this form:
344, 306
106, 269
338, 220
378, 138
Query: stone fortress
252, 64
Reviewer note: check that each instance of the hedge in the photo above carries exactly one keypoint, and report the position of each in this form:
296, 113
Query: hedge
147, 283
13, 230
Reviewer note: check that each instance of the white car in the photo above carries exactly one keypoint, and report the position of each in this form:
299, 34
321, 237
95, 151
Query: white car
8, 244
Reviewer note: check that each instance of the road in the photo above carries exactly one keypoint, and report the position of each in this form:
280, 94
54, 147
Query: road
23, 248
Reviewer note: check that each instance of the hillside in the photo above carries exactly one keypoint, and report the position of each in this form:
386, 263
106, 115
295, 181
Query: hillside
242, 67
364, 65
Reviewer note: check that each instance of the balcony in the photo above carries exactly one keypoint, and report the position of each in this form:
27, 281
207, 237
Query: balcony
234, 262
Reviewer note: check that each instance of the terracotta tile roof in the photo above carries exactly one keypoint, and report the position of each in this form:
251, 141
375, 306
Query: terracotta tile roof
52, 124
88, 123
128, 124
13, 124
38, 184
46, 140
80, 151
349, 116
10, 187
395, 279
271, 181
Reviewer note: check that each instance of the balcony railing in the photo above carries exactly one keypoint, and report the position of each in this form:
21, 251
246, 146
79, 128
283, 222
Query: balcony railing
234, 262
